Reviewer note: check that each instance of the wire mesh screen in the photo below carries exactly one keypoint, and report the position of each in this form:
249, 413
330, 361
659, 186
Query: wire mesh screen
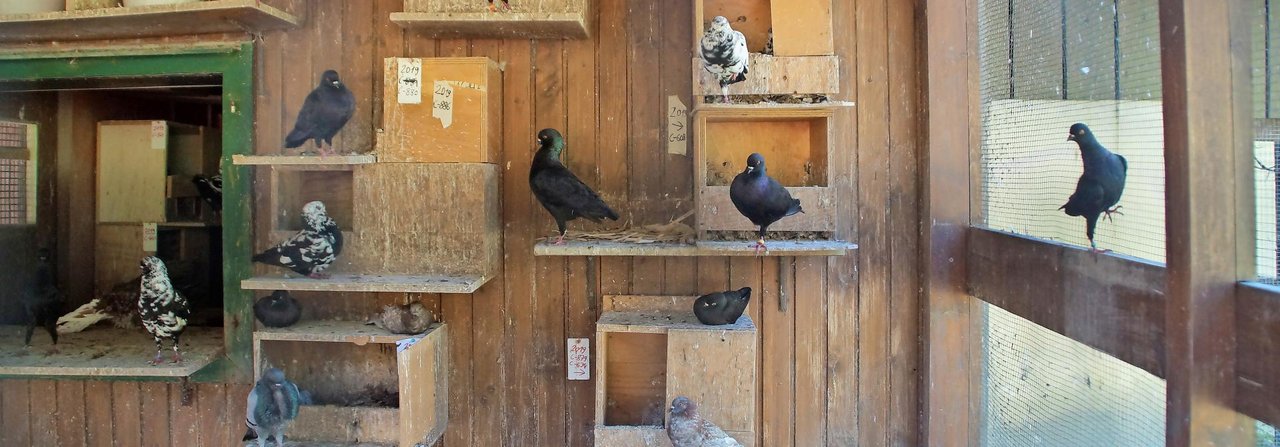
1045, 65
1041, 388
13, 192
1266, 146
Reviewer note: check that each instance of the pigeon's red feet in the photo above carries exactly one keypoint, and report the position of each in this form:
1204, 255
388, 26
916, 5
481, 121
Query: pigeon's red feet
1115, 210
156, 361
318, 276
759, 245
492, 8
559, 240
177, 358
506, 6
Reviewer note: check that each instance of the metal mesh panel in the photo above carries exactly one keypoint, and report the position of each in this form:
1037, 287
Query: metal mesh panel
1266, 147
1041, 388
1044, 65
13, 192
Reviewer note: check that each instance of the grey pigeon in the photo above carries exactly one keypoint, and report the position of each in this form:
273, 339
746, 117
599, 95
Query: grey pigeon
272, 404
688, 429
43, 302
210, 189
558, 190
278, 310
1100, 185
324, 112
411, 318
724, 54
506, 6
761, 198
163, 310
721, 307
310, 251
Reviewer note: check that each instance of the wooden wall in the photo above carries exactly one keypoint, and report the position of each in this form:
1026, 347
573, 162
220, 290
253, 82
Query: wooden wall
838, 367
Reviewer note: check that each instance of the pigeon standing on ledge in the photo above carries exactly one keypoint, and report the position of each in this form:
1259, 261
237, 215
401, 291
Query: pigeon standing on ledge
310, 251
271, 405
1100, 185
721, 307
163, 310
43, 302
558, 190
761, 198
724, 54
323, 113
688, 429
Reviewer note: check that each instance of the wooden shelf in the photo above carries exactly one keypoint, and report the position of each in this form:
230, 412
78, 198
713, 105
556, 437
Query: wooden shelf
103, 351
661, 322
503, 25
215, 16
775, 75
303, 160
335, 332
702, 248
369, 283
187, 225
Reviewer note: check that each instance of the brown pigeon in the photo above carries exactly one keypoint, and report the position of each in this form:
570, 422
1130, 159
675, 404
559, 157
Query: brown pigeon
688, 429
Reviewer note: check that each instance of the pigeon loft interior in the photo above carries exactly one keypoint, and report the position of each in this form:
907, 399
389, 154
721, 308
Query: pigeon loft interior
803, 61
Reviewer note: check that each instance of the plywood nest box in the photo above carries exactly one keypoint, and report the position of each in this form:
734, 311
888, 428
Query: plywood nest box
371, 387
145, 170
527, 19
803, 60
650, 349
796, 144
441, 110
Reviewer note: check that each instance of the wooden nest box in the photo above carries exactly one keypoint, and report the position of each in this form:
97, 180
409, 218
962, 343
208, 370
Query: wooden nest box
650, 349
803, 60
441, 110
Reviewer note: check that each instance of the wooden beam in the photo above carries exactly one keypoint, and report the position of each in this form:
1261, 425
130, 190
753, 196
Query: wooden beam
1209, 213
1258, 336
946, 393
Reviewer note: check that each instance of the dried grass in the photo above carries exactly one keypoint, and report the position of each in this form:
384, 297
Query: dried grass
670, 232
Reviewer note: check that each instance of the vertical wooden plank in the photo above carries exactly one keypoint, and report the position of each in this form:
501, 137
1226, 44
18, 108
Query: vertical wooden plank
97, 414
126, 409
810, 304
748, 272
517, 212
358, 43
645, 101
582, 309
298, 77
842, 280
232, 429
15, 416
1205, 67
677, 169
390, 43
777, 367
184, 419
154, 397
211, 406
71, 412
325, 32
611, 152
44, 413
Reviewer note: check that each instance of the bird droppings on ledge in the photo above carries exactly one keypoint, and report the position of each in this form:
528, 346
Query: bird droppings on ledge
106, 351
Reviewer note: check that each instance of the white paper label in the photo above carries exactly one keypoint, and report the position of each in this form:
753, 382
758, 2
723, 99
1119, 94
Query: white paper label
442, 103
409, 84
159, 135
579, 359
677, 126
149, 237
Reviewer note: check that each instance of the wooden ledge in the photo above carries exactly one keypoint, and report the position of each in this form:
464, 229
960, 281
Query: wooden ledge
105, 351
205, 17
661, 322
369, 283
303, 160
335, 332
502, 25
701, 248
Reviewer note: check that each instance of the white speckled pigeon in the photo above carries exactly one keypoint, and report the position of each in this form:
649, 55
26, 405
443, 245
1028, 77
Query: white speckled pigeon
310, 251
163, 310
724, 54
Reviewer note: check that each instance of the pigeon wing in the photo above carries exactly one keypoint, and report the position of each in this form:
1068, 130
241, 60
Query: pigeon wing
557, 187
308, 119
1087, 198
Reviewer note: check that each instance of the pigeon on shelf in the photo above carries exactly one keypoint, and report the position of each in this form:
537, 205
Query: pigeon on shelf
163, 310
43, 302
768, 46
119, 304
761, 198
506, 6
688, 429
721, 307
413, 318
323, 114
1100, 185
559, 191
271, 406
310, 251
724, 54
278, 310
210, 189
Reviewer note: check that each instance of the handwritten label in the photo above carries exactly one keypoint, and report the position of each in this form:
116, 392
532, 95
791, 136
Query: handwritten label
409, 83
149, 236
159, 135
677, 126
442, 102
406, 343
579, 359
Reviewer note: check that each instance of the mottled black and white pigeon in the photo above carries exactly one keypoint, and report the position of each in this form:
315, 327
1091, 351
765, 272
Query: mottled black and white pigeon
272, 405
761, 198
1100, 185
506, 6
323, 114
724, 54
43, 303
559, 191
210, 189
310, 251
163, 310
278, 310
721, 307
688, 429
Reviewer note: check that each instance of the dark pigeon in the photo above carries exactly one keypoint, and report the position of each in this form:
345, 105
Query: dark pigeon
210, 189
310, 251
323, 114
688, 429
271, 406
43, 302
277, 310
559, 191
761, 198
163, 310
1100, 185
506, 6
721, 307
724, 54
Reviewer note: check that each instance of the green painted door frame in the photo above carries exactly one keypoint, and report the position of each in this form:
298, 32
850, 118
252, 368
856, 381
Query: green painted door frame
234, 62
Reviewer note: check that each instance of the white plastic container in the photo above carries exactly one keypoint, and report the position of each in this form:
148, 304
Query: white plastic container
29, 6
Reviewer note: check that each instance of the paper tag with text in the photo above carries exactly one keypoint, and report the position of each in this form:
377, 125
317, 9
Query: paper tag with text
159, 135
442, 103
579, 359
409, 80
677, 126
149, 237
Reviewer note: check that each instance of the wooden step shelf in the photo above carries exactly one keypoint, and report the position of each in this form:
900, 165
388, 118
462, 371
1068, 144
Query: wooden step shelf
204, 17
419, 372
105, 351
650, 349
303, 160
776, 75
701, 248
545, 19
369, 283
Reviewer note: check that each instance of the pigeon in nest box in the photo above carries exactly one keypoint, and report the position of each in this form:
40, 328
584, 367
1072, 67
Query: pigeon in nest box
163, 310
271, 406
310, 251
760, 198
323, 113
721, 307
43, 302
558, 190
724, 54
687, 428
278, 310
411, 318
1100, 185
506, 6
